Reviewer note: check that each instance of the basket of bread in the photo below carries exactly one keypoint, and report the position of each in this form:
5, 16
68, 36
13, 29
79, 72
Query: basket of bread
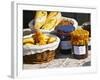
39, 47
47, 22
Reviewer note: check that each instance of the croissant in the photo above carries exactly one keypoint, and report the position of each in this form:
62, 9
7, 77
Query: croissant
50, 23
28, 40
28, 44
40, 19
57, 16
52, 20
51, 39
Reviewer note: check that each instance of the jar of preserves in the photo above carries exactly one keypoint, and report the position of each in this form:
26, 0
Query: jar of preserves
63, 33
87, 26
79, 40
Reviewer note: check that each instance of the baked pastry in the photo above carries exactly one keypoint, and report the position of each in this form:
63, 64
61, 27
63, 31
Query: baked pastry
40, 19
52, 20
51, 39
28, 40
28, 44
57, 16
38, 38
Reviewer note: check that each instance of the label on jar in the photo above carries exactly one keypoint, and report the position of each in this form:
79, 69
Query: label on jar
79, 50
66, 45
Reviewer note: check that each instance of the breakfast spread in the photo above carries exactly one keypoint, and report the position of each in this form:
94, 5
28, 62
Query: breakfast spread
40, 46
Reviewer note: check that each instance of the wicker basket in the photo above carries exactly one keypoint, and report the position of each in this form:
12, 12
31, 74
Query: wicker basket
40, 53
39, 57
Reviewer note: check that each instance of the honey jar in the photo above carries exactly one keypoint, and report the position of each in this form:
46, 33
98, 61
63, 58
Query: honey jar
87, 26
79, 40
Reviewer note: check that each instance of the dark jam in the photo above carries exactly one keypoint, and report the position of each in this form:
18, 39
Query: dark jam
80, 51
63, 33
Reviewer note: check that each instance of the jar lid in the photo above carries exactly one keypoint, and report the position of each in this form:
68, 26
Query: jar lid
64, 28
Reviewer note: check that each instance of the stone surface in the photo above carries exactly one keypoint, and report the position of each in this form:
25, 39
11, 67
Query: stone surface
61, 61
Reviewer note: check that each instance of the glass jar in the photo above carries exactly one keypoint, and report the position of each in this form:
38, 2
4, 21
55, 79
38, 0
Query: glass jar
87, 26
79, 40
63, 33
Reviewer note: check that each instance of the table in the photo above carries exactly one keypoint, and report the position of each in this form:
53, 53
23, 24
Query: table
62, 61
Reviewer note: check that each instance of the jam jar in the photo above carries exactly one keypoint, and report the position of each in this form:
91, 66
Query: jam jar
79, 40
63, 33
87, 26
